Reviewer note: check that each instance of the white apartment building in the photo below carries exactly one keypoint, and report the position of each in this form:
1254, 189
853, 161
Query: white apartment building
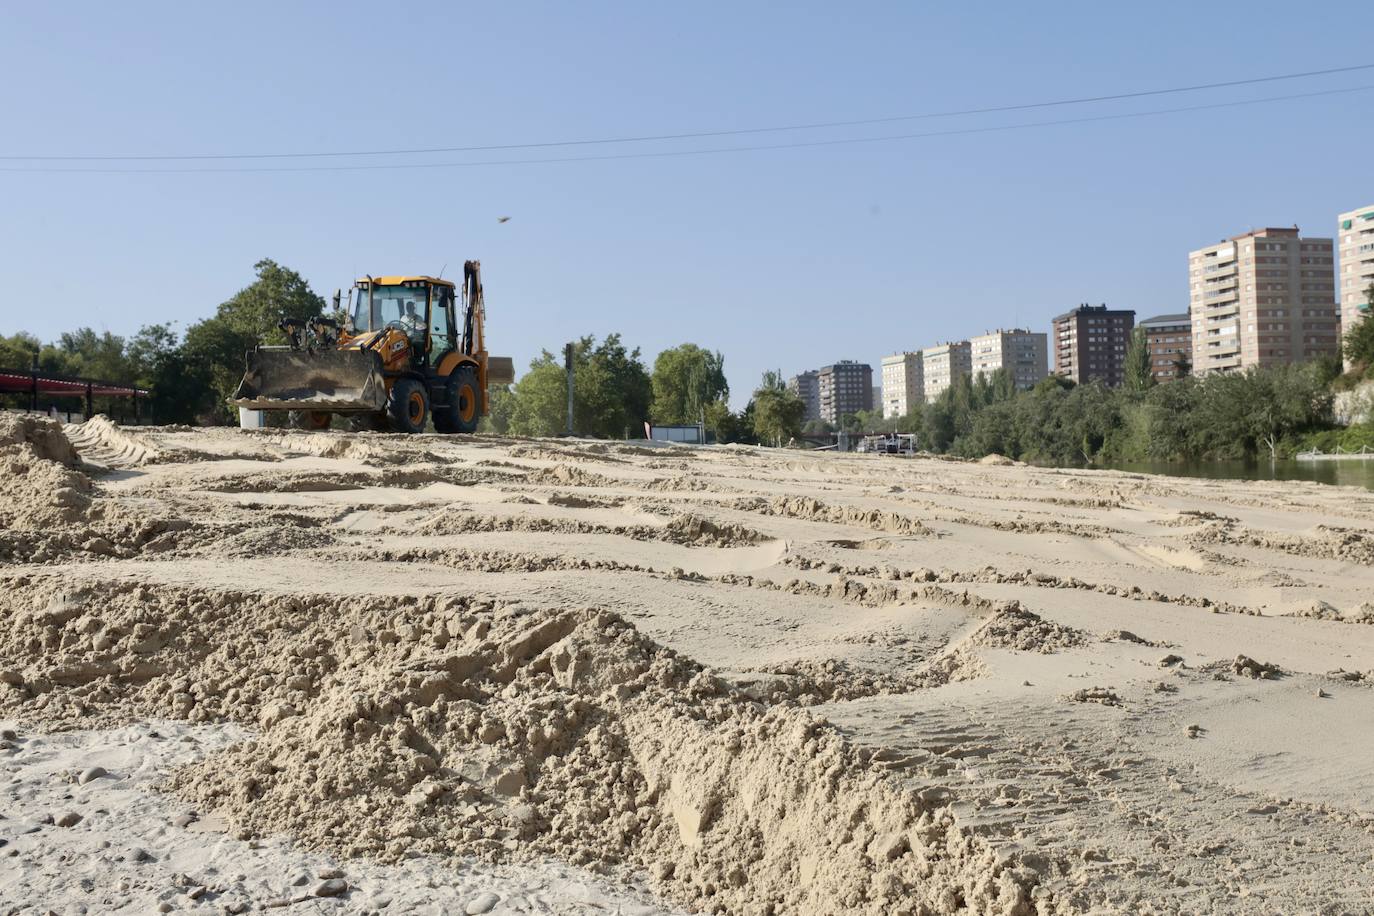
942, 364
903, 383
1263, 298
1024, 354
1356, 239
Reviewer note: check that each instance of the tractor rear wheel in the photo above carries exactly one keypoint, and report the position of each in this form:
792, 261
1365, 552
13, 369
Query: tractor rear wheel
407, 408
462, 410
307, 419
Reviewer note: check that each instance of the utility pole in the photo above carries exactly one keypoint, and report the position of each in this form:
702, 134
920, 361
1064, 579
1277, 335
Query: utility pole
568, 364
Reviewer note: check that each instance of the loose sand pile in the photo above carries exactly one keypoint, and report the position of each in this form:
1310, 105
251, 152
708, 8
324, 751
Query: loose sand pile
456, 727
765, 683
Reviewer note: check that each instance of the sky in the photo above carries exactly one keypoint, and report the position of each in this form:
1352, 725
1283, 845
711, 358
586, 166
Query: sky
785, 259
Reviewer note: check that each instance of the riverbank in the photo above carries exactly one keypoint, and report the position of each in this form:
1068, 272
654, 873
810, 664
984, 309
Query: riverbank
1352, 473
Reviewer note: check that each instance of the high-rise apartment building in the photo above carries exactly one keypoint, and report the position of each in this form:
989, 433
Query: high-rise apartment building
1262, 298
844, 388
807, 386
1024, 354
1090, 344
1169, 339
1357, 265
942, 364
903, 383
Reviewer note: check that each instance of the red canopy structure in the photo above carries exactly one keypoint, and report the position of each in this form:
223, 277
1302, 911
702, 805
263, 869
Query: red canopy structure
36, 383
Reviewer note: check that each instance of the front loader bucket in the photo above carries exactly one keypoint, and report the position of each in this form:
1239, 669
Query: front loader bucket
279, 378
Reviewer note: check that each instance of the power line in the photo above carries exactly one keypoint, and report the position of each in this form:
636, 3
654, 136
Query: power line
999, 109
663, 154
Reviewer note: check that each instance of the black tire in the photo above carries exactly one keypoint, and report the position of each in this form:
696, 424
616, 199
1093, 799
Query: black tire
407, 407
367, 422
308, 419
462, 407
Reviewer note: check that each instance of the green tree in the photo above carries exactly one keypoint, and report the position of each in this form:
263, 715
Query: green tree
246, 319
1289, 400
100, 356
1358, 344
611, 392
17, 350
501, 403
937, 429
1139, 373
1174, 432
685, 380
1239, 414
541, 399
778, 412
148, 349
726, 425
181, 388
852, 423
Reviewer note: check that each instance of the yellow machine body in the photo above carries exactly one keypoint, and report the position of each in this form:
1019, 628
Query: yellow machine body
409, 345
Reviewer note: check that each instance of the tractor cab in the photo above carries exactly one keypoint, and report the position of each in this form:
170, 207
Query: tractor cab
421, 308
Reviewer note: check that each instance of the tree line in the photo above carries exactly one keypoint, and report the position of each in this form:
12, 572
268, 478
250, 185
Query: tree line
1260, 411
1268, 411
192, 375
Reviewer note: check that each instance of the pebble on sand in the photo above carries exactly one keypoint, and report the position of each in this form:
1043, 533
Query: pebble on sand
69, 819
331, 887
91, 774
482, 903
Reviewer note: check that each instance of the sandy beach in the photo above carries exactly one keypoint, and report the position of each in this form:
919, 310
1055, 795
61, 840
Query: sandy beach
335, 672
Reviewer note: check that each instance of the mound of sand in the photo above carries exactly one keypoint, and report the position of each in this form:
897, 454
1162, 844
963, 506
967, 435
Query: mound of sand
456, 726
704, 532
811, 509
1016, 628
48, 507
39, 437
40, 489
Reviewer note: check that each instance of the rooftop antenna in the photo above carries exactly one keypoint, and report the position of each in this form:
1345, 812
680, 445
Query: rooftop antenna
442, 269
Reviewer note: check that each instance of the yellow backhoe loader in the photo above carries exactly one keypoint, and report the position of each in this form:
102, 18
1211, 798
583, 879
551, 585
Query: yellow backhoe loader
406, 352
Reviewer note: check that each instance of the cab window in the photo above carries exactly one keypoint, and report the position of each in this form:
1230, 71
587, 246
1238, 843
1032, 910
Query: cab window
440, 330
401, 307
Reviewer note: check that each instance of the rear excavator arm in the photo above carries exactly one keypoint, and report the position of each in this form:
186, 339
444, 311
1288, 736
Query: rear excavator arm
491, 370
474, 311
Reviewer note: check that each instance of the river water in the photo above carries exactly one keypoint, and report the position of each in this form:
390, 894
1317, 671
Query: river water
1357, 473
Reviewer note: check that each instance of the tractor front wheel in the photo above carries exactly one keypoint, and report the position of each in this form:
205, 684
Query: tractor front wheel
407, 408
